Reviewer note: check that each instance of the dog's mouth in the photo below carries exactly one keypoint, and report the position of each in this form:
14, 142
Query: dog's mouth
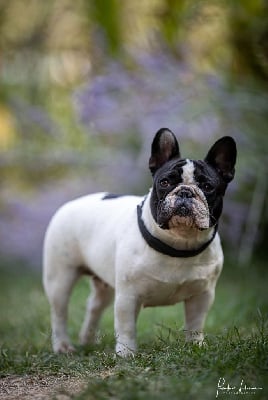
184, 206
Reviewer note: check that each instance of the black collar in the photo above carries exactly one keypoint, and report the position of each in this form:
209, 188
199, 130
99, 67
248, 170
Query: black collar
164, 248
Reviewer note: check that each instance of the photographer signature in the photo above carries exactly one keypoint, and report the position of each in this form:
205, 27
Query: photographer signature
225, 388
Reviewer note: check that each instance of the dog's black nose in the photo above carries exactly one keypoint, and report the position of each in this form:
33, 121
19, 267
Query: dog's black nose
184, 202
183, 210
185, 193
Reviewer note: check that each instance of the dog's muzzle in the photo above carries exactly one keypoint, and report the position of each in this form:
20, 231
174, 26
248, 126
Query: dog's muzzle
183, 202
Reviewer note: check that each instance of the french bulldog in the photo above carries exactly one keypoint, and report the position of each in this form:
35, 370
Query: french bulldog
156, 250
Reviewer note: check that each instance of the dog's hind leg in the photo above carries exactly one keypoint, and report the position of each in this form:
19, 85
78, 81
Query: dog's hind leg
100, 297
59, 276
58, 289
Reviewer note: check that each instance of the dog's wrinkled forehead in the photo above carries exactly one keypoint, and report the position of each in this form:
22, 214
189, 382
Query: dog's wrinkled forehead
172, 168
180, 171
188, 172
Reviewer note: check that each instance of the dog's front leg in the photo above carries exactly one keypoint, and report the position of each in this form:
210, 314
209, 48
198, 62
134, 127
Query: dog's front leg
126, 311
196, 309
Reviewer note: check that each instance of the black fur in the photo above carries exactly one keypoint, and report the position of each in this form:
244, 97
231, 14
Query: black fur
112, 196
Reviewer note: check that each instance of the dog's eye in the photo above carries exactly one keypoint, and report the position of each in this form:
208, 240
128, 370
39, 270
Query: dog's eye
164, 183
207, 187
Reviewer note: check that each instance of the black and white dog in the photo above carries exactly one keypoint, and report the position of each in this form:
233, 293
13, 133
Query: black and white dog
144, 251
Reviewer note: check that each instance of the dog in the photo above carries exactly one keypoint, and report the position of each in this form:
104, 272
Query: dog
156, 250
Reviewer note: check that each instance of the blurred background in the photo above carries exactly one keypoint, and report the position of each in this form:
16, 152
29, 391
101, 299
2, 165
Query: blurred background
85, 85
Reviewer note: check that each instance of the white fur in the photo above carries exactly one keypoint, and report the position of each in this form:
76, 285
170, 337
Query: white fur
188, 173
102, 237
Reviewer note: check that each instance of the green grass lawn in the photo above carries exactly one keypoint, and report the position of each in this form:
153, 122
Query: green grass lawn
164, 368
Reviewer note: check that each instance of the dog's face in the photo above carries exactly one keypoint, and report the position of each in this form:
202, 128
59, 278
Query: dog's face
189, 193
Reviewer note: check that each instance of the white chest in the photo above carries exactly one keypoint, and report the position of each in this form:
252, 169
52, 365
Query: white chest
161, 293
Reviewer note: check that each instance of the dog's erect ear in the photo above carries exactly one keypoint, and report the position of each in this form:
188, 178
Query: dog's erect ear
164, 148
222, 156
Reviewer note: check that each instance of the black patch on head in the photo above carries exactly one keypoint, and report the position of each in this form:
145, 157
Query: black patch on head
170, 172
210, 181
112, 196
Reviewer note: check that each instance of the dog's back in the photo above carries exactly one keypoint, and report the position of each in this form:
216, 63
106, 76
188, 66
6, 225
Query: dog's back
83, 232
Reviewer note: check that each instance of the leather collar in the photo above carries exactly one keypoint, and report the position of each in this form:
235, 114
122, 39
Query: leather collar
164, 248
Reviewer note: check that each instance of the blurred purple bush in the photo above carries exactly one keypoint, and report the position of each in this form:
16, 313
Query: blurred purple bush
123, 107
157, 91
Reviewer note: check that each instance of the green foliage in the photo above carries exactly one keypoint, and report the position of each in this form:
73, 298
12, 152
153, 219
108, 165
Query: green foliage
106, 14
248, 38
171, 20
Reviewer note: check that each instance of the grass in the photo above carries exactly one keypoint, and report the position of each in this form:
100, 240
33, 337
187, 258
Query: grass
165, 367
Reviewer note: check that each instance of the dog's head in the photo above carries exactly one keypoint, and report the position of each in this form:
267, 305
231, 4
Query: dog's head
189, 193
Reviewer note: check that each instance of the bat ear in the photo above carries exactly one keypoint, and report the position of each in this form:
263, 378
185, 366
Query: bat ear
164, 147
222, 156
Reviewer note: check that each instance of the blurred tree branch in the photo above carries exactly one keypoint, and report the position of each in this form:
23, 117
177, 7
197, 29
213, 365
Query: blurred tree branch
248, 21
106, 16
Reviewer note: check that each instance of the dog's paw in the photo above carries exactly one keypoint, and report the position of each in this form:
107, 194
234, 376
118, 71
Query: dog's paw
196, 338
63, 347
124, 351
